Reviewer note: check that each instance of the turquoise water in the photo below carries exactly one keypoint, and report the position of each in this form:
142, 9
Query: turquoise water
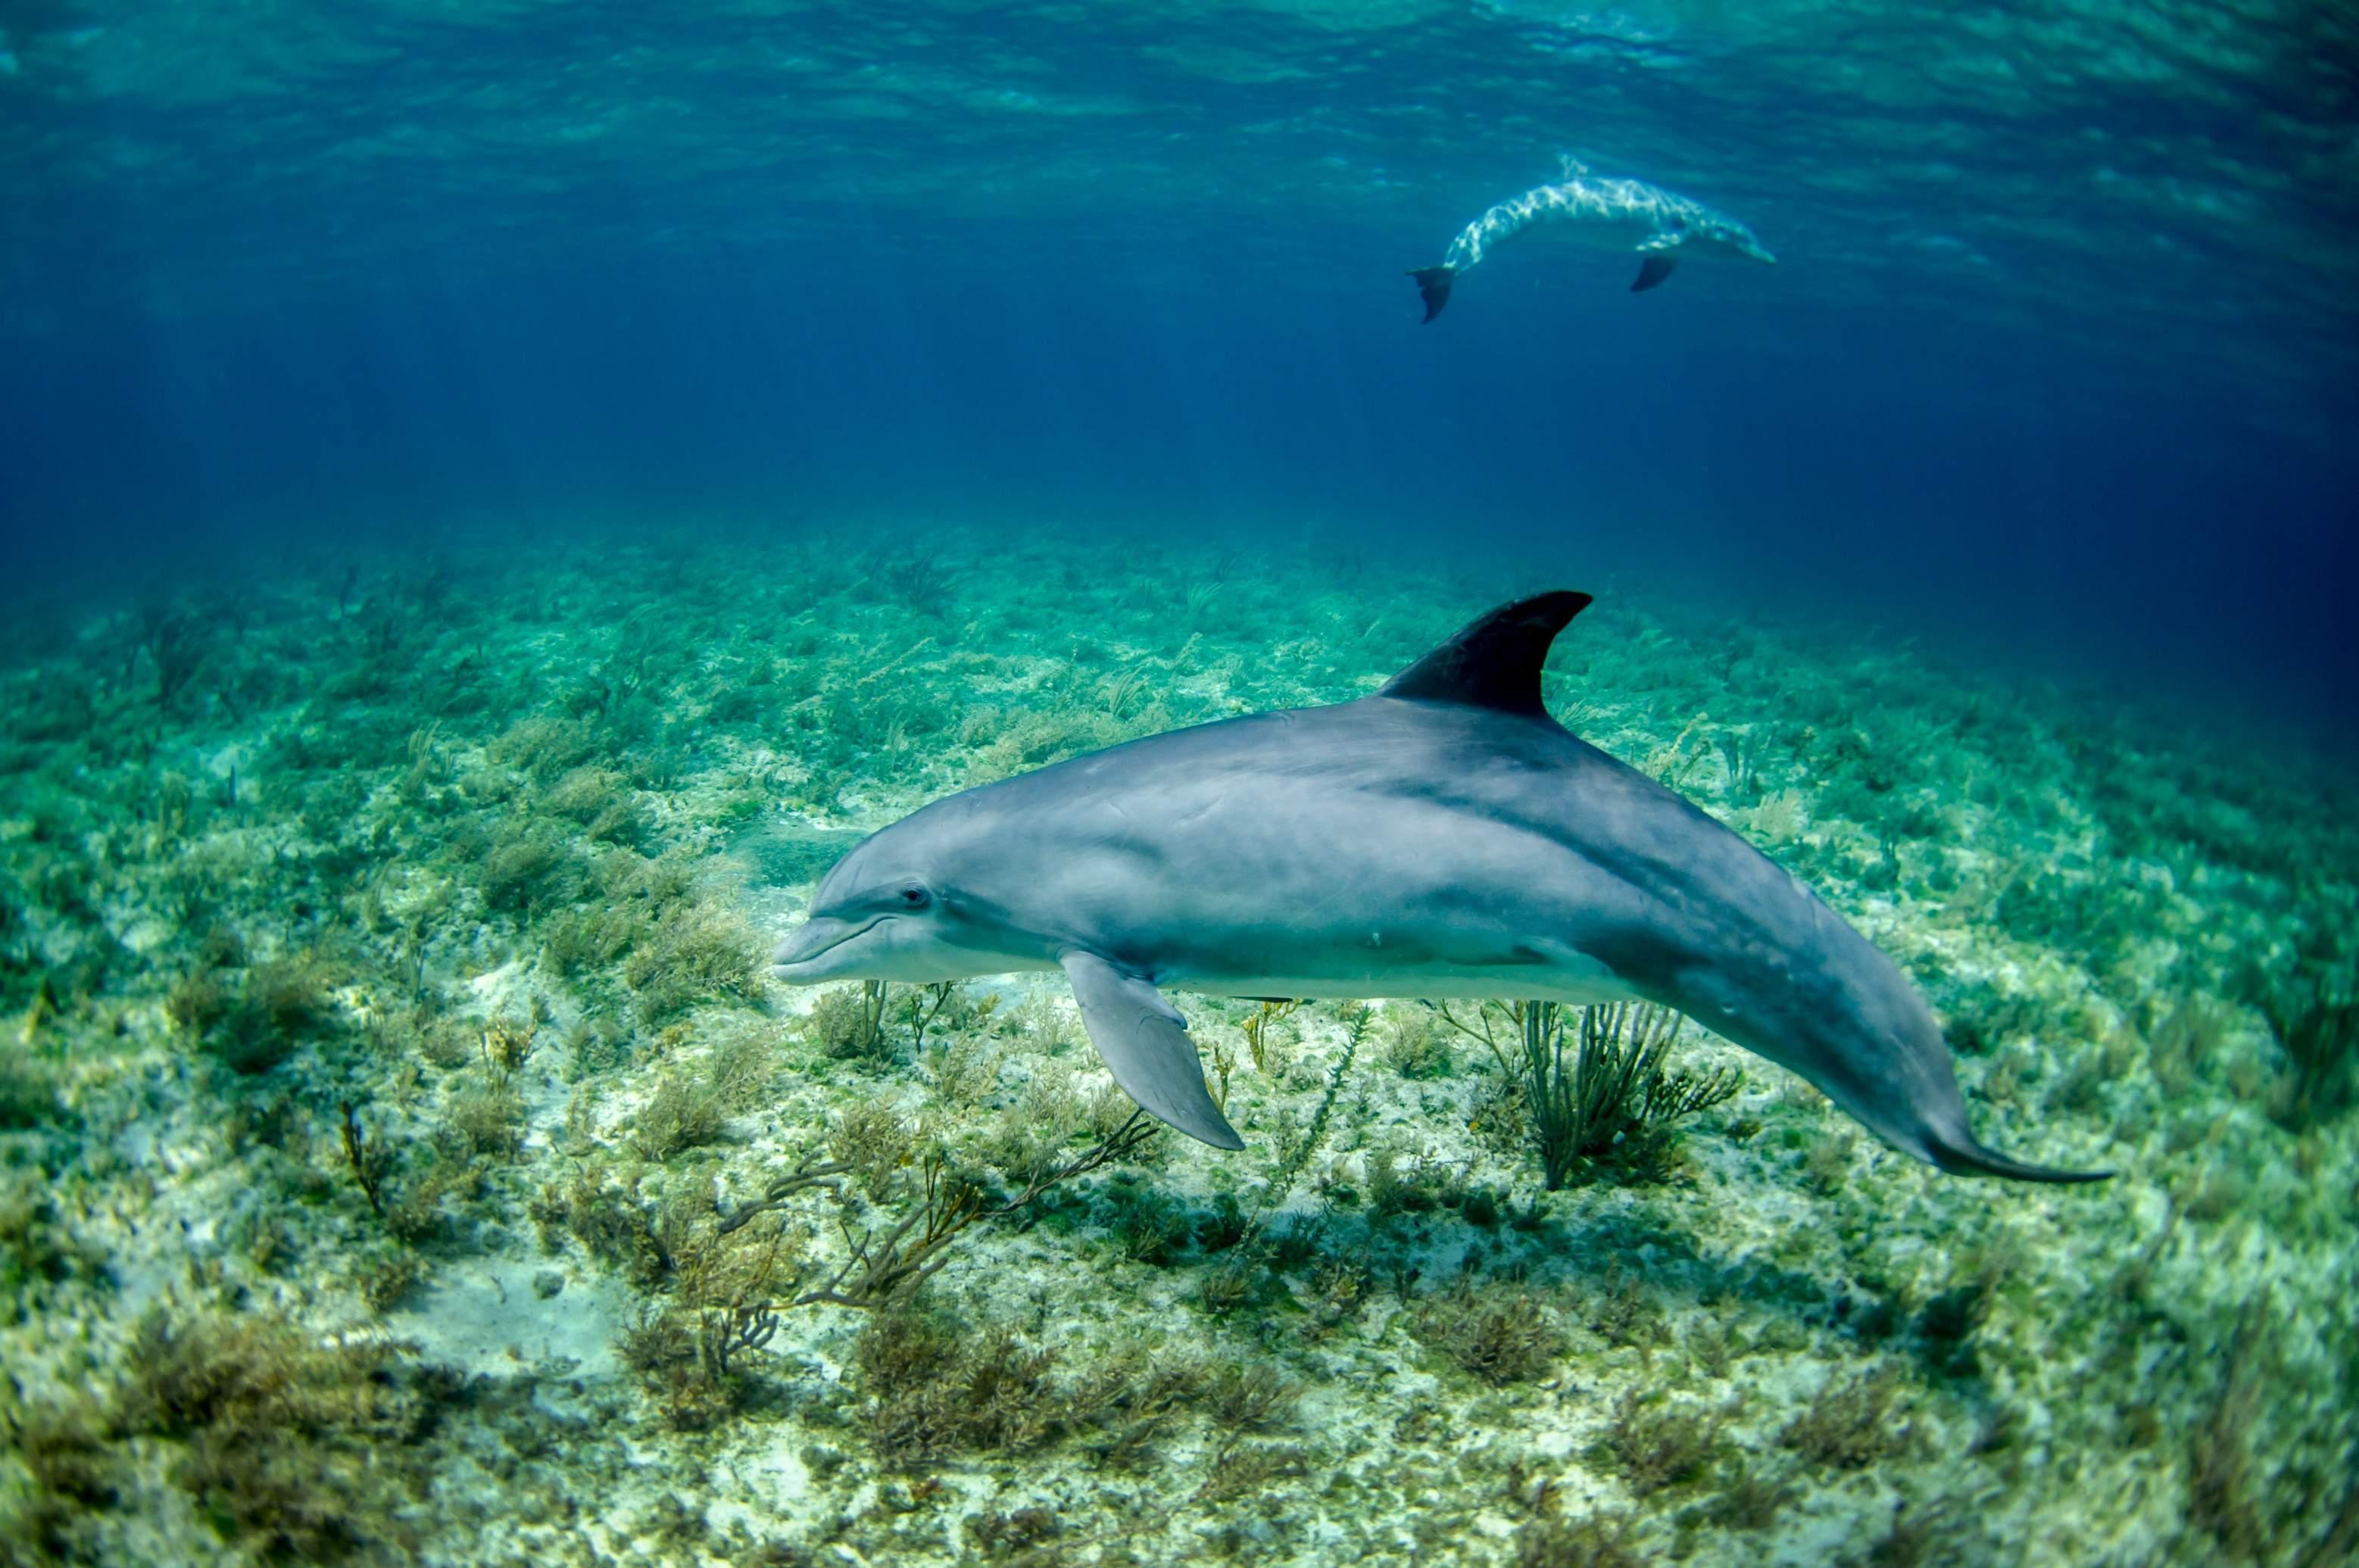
500, 499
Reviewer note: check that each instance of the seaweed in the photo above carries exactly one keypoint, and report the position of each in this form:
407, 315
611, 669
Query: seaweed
1652, 1445
1948, 1326
368, 1159
692, 1350
2220, 1483
1254, 1396
2316, 1022
28, 1094
849, 1025
255, 1026
930, 1391
1614, 1107
525, 873
1625, 1314
1414, 1047
1598, 1541
75, 1476
683, 1113
694, 955
1747, 1501
1501, 1336
1850, 1424
294, 1445
177, 643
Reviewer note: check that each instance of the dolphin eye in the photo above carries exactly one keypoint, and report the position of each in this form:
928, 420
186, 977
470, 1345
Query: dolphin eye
914, 896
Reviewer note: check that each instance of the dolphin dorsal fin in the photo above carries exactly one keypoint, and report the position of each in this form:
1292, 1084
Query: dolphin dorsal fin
1496, 661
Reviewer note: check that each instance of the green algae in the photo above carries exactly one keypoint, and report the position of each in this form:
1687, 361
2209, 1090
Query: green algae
405, 965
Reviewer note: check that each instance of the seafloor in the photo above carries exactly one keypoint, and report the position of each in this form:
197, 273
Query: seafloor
399, 1127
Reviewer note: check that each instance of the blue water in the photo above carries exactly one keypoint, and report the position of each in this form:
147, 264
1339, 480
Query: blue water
2058, 362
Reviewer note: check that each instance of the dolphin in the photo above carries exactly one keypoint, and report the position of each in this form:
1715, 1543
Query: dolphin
1659, 225
1440, 838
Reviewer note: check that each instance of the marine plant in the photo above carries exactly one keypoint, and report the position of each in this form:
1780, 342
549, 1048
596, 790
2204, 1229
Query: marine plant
141, 889
295, 1447
2315, 1019
1500, 1336
849, 1025
176, 642
1652, 1444
1852, 1423
367, 1159
1612, 1103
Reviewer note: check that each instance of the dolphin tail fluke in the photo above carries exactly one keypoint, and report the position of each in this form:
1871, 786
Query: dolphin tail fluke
1433, 287
1969, 1157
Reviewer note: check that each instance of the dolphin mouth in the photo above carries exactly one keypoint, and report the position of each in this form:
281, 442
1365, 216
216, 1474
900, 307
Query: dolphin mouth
801, 957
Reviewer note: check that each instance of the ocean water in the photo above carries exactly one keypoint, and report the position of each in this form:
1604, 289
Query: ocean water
495, 500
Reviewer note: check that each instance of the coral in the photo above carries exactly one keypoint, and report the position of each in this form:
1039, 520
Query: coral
367, 1159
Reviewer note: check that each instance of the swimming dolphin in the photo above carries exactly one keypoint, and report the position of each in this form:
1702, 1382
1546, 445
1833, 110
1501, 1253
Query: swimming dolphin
1663, 226
1441, 837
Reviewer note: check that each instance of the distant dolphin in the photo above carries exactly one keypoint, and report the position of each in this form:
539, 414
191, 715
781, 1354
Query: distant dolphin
1665, 227
1441, 837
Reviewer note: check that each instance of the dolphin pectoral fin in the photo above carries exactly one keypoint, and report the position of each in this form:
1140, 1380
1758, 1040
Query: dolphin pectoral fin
1146, 1045
1653, 270
1433, 288
1970, 1157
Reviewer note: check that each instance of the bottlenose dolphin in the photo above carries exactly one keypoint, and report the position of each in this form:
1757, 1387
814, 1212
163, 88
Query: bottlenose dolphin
1441, 837
1659, 225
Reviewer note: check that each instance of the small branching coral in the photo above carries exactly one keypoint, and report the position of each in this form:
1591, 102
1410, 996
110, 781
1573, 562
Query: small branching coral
1613, 1106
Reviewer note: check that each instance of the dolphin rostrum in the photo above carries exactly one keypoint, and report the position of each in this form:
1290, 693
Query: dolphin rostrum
1659, 225
1441, 837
